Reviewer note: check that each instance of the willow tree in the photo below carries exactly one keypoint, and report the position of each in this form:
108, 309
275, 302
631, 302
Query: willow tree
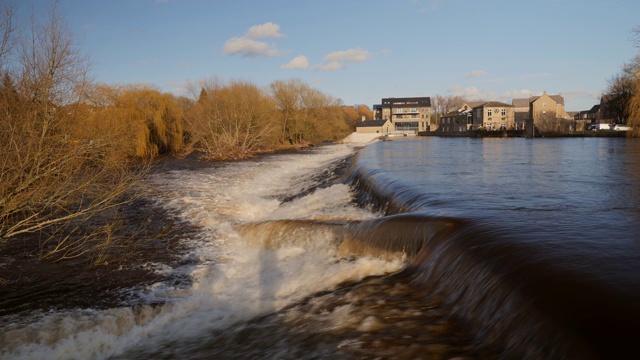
232, 121
633, 71
51, 181
307, 115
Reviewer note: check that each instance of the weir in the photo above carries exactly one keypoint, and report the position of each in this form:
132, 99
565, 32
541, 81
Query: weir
290, 258
531, 299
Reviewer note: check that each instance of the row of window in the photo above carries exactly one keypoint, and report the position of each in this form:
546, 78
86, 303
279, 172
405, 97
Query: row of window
411, 116
403, 111
407, 126
453, 120
503, 112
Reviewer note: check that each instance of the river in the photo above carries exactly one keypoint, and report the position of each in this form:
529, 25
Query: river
430, 248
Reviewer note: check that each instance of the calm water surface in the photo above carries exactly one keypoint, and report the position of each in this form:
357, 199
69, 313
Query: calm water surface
546, 188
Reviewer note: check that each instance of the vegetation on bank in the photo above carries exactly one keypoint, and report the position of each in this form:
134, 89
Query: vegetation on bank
623, 92
73, 150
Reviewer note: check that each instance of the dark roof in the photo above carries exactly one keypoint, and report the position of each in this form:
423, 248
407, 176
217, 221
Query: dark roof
493, 104
408, 101
371, 123
594, 109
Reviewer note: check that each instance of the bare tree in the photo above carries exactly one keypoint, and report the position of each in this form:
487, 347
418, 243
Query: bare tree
441, 105
231, 121
53, 178
307, 115
633, 70
620, 91
7, 29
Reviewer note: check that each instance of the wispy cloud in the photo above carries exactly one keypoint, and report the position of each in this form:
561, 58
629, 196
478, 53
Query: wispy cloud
266, 30
247, 45
385, 52
351, 55
334, 61
428, 5
476, 74
331, 66
298, 62
581, 94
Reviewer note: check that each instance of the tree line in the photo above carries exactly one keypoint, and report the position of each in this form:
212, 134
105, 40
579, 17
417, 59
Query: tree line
73, 150
622, 97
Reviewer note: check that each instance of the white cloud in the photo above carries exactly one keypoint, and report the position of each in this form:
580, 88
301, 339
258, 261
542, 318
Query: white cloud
579, 94
248, 47
334, 60
351, 55
331, 66
298, 62
385, 52
266, 30
476, 74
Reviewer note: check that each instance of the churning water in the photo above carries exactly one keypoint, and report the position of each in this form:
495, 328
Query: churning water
420, 248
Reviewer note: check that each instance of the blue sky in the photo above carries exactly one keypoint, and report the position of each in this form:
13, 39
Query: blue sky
361, 51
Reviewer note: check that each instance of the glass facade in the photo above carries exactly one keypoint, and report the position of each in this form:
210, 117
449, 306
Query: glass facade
406, 126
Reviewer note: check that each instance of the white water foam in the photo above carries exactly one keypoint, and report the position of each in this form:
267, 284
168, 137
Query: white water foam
232, 281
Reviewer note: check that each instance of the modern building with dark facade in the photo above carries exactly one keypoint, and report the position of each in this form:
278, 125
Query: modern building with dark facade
407, 115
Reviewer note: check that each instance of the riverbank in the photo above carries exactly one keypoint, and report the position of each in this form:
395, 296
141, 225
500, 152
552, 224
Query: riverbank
522, 133
149, 241
152, 238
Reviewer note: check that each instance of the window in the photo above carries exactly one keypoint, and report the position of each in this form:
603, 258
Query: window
489, 112
405, 126
504, 112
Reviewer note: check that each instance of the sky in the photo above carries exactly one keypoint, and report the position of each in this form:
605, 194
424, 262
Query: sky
360, 51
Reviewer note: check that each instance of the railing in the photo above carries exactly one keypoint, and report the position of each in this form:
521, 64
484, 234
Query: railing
406, 111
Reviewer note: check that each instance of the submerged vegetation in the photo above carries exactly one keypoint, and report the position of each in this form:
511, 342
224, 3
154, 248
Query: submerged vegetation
73, 150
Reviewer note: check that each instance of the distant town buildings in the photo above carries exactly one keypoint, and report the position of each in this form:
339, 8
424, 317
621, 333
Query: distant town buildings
537, 113
408, 115
544, 111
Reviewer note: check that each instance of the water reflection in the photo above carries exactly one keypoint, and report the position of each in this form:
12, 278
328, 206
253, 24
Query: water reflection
542, 188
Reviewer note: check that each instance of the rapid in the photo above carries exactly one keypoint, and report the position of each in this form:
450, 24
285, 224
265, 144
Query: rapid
412, 248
